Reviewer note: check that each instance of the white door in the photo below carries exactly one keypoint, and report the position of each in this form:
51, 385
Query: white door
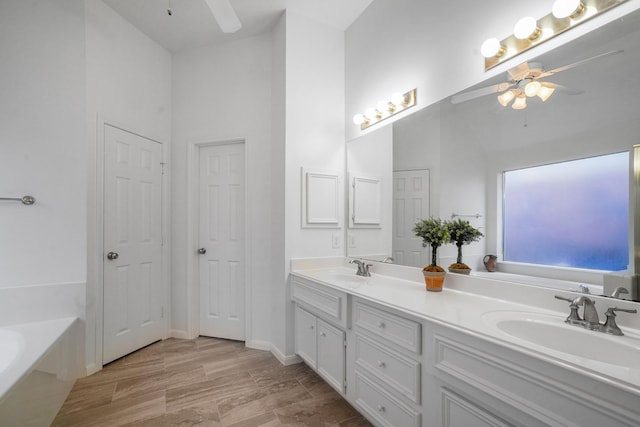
222, 241
410, 204
133, 291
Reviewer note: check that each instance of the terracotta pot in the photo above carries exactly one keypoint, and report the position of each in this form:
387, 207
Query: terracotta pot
460, 270
434, 280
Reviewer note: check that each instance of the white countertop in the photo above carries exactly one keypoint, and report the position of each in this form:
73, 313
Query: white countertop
465, 301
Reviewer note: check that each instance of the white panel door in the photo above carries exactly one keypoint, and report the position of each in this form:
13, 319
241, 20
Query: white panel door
222, 241
410, 205
133, 291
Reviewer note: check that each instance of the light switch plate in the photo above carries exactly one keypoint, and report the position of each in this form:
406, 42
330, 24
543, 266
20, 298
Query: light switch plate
335, 241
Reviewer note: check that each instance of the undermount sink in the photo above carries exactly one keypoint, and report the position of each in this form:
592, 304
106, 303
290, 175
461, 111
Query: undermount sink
552, 333
345, 279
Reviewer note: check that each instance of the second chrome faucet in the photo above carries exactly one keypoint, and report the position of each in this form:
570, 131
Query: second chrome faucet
363, 269
590, 319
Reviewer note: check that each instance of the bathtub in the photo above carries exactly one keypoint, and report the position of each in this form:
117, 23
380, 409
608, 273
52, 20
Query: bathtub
38, 366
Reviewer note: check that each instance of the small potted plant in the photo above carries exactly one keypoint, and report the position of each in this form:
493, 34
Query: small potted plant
461, 233
434, 233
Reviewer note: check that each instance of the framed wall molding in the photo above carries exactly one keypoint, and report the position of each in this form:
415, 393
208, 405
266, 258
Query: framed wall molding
321, 207
365, 204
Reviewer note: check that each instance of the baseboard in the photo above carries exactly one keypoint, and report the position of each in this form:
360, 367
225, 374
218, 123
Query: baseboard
286, 360
259, 345
92, 368
180, 334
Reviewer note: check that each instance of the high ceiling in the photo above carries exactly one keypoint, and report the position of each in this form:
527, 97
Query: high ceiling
192, 24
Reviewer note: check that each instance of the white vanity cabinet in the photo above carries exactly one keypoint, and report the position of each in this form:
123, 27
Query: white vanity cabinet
320, 340
472, 381
386, 361
409, 365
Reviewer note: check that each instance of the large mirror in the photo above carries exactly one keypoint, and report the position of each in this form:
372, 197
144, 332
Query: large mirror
447, 157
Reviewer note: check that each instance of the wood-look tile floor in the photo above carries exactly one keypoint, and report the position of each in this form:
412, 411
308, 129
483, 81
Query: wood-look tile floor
204, 382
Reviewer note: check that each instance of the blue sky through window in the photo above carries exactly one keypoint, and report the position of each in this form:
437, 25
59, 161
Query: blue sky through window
570, 214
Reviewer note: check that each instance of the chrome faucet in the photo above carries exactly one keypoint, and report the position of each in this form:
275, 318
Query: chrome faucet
363, 269
590, 314
591, 320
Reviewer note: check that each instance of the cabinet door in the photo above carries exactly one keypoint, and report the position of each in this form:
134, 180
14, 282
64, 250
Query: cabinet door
331, 355
459, 412
306, 342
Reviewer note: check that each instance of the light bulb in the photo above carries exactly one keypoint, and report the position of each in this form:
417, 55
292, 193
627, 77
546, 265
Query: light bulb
491, 47
520, 103
526, 28
545, 92
506, 98
370, 113
382, 106
567, 8
397, 99
532, 88
358, 119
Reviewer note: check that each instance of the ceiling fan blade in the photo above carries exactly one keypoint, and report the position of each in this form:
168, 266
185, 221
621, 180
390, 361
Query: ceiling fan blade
518, 72
564, 89
225, 15
576, 64
467, 96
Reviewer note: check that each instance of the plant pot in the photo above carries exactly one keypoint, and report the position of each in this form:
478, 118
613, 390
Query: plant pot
434, 280
460, 270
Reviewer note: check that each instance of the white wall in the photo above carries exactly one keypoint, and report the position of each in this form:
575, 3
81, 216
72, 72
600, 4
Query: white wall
42, 150
314, 139
128, 85
223, 92
278, 176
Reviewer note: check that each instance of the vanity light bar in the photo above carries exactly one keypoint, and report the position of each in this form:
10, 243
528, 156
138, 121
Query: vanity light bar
386, 109
566, 14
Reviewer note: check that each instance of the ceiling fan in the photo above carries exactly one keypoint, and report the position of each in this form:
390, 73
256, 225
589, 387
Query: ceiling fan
225, 15
524, 81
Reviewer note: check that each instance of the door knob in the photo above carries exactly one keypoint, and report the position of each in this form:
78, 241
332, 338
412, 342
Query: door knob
202, 251
112, 255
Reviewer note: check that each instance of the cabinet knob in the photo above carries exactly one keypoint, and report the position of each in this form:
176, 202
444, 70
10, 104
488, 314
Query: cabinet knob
310, 326
112, 255
381, 325
381, 364
381, 408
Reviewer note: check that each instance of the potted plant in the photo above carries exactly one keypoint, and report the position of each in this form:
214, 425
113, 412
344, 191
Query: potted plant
434, 233
462, 233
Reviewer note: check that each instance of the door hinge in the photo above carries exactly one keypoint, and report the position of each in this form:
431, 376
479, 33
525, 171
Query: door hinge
345, 343
162, 167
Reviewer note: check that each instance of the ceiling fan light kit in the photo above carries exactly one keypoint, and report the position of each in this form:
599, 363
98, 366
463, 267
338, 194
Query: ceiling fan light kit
529, 33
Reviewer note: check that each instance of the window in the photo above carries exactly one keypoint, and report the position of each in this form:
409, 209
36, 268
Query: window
569, 214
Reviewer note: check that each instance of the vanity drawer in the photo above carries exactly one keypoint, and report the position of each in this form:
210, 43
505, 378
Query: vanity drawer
327, 303
396, 329
381, 406
400, 373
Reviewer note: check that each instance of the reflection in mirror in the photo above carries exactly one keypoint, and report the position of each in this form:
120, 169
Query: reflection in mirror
466, 146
